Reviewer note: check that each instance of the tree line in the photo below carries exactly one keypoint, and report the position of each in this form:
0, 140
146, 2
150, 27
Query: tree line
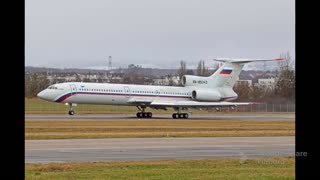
283, 91
35, 83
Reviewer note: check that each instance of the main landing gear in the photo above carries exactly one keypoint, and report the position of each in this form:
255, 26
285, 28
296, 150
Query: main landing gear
180, 115
143, 114
71, 111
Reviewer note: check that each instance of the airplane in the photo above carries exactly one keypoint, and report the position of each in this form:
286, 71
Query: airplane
214, 91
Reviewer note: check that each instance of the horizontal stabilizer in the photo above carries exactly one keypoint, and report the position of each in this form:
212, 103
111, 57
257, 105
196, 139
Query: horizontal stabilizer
236, 60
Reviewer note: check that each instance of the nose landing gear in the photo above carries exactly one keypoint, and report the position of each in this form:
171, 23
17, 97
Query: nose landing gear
71, 111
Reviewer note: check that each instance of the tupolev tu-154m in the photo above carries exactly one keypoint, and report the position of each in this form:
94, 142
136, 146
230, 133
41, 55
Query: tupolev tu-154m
197, 92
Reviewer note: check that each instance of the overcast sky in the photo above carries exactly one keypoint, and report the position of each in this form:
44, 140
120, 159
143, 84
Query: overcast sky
155, 33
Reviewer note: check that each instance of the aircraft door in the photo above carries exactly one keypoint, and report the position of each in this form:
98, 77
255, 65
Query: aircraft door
157, 93
127, 91
73, 89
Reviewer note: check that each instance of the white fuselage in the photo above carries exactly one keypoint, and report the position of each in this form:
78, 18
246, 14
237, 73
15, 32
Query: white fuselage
112, 94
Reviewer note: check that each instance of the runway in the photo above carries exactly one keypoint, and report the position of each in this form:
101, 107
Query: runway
253, 117
137, 149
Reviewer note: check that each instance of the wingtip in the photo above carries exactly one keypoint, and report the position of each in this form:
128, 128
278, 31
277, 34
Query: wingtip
257, 103
279, 59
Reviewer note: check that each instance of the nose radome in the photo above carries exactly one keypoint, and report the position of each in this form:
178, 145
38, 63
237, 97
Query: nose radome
43, 95
40, 94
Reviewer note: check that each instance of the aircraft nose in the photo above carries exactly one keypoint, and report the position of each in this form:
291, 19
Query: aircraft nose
43, 95
40, 94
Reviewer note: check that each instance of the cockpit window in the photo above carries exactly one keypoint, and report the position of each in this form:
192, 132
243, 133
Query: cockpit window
52, 87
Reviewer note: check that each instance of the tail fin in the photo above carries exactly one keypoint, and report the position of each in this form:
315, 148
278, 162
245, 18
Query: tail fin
227, 74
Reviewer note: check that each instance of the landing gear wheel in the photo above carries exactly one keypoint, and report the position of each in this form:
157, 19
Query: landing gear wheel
174, 116
142, 113
185, 115
180, 115
71, 112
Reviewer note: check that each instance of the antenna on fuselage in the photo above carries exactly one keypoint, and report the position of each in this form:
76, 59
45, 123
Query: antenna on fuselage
110, 63
108, 67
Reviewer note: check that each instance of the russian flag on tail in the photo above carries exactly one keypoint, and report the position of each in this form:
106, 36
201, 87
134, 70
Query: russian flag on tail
226, 71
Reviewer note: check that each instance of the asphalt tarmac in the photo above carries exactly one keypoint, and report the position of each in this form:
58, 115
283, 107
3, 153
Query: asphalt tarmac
140, 149
253, 117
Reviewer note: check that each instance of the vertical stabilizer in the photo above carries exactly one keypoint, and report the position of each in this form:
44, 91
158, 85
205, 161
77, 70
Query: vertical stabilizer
227, 74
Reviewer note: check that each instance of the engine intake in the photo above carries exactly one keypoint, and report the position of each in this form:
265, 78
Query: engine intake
206, 95
188, 80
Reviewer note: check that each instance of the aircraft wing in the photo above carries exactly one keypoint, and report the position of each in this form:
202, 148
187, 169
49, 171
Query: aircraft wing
140, 101
168, 103
197, 104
